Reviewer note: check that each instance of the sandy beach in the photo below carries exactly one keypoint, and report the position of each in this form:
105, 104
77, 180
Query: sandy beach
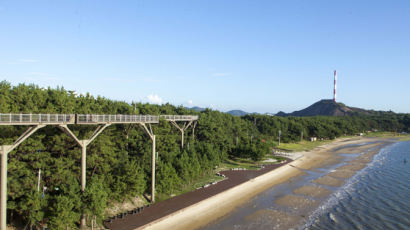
208, 210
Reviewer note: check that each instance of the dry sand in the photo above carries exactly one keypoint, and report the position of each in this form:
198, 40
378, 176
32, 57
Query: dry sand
208, 210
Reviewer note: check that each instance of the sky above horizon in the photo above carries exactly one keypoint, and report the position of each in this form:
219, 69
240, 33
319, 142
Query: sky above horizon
257, 56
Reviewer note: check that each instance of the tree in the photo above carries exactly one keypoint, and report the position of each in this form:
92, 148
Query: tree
95, 198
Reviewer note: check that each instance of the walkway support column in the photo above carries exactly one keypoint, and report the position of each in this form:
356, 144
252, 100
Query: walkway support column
148, 130
5, 150
193, 130
182, 130
3, 186
83, 144
153, 170
83, 164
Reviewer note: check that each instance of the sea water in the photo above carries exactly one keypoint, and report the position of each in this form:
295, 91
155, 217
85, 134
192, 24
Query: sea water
376, 197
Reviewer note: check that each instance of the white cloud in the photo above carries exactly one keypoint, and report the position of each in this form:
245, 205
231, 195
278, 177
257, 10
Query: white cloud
190, 102
221, 74
154, 99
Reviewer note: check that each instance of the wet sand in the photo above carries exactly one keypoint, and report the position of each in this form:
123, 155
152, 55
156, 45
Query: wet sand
295, 202
328, 180
273, 219
342, 173
312, 191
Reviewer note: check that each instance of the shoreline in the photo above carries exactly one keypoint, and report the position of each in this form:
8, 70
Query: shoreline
205, 211
208, 210
165, 208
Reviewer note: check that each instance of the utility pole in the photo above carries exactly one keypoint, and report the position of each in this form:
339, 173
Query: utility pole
39, 178
301, 136
280, 133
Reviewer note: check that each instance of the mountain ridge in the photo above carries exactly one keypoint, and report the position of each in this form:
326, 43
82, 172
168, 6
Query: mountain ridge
328, 107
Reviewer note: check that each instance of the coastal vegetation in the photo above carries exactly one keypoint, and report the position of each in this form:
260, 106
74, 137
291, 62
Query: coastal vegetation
119, 160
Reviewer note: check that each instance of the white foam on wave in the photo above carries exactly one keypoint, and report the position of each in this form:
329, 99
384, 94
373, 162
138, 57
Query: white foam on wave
348, 189
332, 217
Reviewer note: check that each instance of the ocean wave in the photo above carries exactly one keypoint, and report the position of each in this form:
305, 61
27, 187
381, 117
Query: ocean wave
346, 191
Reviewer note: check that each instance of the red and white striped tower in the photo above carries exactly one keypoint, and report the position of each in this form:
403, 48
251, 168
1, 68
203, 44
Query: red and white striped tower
335, 86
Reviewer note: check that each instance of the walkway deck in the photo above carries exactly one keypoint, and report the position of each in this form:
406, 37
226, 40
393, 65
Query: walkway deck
87, 119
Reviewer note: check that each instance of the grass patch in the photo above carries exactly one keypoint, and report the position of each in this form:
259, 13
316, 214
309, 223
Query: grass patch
246, 163
301, 146
238, 163
404, 137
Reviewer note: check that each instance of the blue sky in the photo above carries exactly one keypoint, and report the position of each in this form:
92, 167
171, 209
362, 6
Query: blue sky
258, 56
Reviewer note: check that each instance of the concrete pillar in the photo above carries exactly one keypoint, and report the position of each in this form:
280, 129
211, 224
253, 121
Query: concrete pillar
83, 224
182, 138
193, 131
153, 170
3, 189
83, 164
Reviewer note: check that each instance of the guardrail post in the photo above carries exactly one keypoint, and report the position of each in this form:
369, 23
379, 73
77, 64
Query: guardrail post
3, 190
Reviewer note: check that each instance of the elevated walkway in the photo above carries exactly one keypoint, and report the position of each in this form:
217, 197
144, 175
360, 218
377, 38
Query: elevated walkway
87, 119
38, 121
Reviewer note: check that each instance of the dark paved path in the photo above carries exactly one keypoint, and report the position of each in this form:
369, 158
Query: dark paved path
164, 208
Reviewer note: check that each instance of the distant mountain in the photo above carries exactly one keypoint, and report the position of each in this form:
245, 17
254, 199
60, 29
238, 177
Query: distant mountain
237, 112
327, 107
196, 108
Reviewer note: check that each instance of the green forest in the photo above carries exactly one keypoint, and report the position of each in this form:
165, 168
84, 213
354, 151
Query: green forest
119, 160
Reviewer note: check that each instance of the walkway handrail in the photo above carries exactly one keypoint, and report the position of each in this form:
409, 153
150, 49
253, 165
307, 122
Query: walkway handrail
55, 119
180, 117
34, 119
117, 118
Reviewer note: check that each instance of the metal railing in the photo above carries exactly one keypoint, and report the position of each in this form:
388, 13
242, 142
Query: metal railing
118, 118
180, 117
28, 119
33, 119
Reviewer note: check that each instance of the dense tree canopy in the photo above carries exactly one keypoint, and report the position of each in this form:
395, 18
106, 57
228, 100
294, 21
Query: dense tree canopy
119, 160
